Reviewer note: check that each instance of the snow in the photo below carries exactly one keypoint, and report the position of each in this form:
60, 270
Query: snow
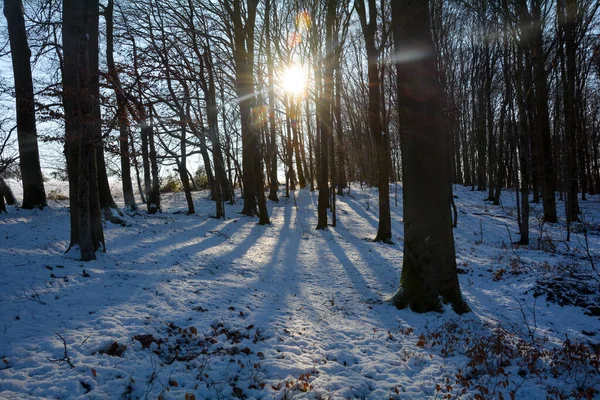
190, 305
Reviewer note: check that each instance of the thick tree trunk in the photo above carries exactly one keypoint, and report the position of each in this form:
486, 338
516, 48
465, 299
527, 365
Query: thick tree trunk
429, 269
243, 37
567, 22
543, 116
82, 123
34, 195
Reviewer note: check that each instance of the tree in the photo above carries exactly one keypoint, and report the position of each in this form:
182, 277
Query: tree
80, 98
568, 17
325, 118
429, 268
379, 135
543, 117
115, 82
272, 150
34, 195
243, 17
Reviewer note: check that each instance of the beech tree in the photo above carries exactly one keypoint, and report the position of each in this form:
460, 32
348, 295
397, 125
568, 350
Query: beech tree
429, 267
325, 116
115, 81
34, 195
80, 98
242, 18
380, 136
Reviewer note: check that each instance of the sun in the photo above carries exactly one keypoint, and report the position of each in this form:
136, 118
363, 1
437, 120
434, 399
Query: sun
293, 80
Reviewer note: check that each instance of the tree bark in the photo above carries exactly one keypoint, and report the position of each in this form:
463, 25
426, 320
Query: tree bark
115, 81
34, 195
523, 143
429, 269
543, 115
82, 120
272, 151
326, 120
567, 21
9, 196
243, 37
380, 137
341, 158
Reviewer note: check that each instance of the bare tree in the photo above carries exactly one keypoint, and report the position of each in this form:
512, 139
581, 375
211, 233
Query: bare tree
429, 269
34, 195
80, 97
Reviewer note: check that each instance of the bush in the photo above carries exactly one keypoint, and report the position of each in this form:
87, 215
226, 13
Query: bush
201, 179
56, 194
171, 184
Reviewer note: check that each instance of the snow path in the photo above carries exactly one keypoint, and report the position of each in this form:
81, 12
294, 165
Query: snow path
302, 301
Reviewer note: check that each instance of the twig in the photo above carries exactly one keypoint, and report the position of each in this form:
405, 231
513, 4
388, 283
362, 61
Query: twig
66, 357
480, 232
509, 235
587, 243
530, 329
86, 339
36, 297
222, 234
512, 245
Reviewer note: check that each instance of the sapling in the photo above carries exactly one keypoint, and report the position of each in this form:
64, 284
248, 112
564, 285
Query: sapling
586, 243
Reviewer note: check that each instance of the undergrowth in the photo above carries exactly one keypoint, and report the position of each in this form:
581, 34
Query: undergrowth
500, 363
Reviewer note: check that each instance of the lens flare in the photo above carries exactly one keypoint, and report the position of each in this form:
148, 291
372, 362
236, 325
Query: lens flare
293, 80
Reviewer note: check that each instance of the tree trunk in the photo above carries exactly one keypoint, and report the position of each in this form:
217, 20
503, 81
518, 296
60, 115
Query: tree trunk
183, 173
82, 123
310, 148
115, 82
380, 137
567, 21
243, 37
326, 120
136, 166
429, 269
341, 178
154, 198
543, 116
34, 195
2, 203
272, 151
291, 174
523, 149
8, 193
295, 121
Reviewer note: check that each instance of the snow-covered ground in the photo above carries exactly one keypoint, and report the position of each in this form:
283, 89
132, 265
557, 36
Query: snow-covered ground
191, 307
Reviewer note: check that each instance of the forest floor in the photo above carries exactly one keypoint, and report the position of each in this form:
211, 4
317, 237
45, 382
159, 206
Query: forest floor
191, 307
